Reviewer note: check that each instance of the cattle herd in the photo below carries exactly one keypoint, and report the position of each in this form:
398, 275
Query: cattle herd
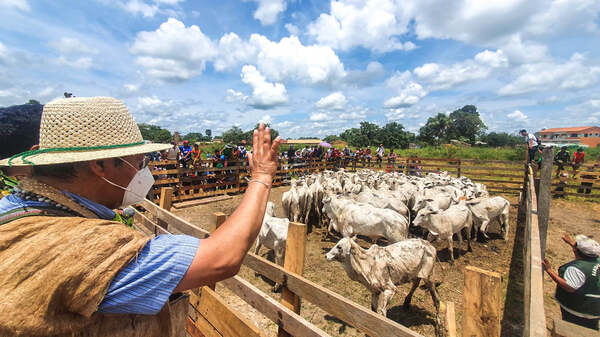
389, 209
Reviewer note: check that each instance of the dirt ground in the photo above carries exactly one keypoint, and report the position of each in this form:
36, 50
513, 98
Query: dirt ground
495, 255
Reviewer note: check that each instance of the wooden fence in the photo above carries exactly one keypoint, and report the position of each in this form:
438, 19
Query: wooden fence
192, 183
533, 281
285, 313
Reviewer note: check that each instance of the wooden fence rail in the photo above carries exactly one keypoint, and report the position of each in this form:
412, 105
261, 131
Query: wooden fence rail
535, 317
350, 312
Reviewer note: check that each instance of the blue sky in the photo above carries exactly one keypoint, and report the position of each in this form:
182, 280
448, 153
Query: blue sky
310, 68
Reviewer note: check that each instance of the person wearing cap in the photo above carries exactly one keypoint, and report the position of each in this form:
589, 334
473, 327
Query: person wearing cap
186, 153
578, 282
532, 143
380, 153
68, 269
562, 158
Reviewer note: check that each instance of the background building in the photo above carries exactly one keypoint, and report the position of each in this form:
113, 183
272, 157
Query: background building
580, 135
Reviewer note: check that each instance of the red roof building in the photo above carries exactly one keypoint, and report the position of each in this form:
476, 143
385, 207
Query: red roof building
584, 135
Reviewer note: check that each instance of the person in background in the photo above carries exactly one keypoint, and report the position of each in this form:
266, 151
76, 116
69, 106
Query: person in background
532, 143
578, 282
173, 152
196, 156
291, 154
186, 153
380, 153
368, 156
392, 159
242, 151
578, 160
561, 159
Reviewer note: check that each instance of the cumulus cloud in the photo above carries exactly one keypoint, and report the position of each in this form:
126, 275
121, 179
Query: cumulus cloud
265, 95
173, 51
140, 7
292, 29
409, 91
441, 76
373, 24
232, 51
290, 59
235, 96
268, 10
22, 5
335, 101
320, 116
517, 115
71, 45
576, 73
372, 73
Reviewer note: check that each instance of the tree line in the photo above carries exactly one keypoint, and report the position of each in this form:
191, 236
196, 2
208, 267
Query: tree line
463, 124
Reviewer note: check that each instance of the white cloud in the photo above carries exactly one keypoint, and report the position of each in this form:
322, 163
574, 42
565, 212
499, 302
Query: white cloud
268, 10
320, 116
409, 91
266, 119
284, 124
517, 115
335, 101
290, 59
79, 63
576, 73
140, 7
233, 51
235, 96
70, 45
265, 95
18, 4
372, 73
441, 76
372, 24
169, 2
292, 29
353, 115
173, 51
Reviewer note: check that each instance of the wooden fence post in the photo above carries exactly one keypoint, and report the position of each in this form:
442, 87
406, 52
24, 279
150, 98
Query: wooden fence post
220, 217
459, 165
166, 200
448, 316
544, 195
294, 262
482, 303
406, 167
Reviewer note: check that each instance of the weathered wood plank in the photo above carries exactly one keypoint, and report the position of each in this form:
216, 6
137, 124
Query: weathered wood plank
566, 329
226, 320
294, 263
272, 309
481, 303
201, 328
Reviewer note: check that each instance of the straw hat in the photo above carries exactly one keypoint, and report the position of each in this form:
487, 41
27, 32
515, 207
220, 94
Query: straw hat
82, 129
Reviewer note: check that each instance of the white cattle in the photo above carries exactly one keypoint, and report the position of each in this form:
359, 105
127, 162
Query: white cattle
444, 224
290, 201
382, 199
273, 235
486, 209
351, 218
383, 269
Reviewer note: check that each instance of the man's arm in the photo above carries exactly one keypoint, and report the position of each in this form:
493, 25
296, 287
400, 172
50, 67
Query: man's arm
220, 256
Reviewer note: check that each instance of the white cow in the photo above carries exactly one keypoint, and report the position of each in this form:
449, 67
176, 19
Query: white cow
273, 235
486, 209
382, 269
351, 218
444, 224
290, 201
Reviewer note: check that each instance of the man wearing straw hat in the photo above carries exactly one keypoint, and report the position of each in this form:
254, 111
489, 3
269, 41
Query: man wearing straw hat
68, 269
578, 282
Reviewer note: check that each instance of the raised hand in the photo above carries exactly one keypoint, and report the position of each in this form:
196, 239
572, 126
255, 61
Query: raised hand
263, 160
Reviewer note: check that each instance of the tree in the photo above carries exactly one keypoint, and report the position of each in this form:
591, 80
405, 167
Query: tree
33, 101
155, 133
466, 124
234, 135
436, 130
501, 139
330, 139
208, 133
193, 137
393, 135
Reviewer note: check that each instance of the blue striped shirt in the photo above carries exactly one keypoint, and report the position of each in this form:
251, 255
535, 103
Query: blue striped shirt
144, 286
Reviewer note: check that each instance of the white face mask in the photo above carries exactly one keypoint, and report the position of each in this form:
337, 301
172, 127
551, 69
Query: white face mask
138, 187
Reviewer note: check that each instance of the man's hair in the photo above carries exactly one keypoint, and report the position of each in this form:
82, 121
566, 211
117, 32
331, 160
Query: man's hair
65, 171
523, 130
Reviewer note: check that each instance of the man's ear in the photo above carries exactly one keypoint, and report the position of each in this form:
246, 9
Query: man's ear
97, 167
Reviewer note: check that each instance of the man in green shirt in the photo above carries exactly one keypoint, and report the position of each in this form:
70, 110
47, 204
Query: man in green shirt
562, 158
578, 282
